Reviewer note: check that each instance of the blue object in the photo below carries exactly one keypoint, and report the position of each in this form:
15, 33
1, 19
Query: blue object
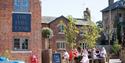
56, 58
21, 22
21, 6
3, 58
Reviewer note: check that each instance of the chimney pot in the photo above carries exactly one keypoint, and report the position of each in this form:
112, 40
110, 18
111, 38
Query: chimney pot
110, 2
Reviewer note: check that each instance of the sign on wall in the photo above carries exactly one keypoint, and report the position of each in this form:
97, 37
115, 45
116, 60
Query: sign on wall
21, 22
21, 5
56, 58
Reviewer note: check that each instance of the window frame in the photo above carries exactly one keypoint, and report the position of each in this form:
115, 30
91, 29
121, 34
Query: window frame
59, 30
84, 45
61, 46
20, 7
21, 44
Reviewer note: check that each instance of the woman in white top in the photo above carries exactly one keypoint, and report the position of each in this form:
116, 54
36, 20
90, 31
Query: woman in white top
66, 56
85, 57
103, 52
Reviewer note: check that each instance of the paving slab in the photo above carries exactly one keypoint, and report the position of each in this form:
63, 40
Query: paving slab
115, 61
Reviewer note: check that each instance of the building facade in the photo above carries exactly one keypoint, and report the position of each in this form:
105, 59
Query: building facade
20, 29
58, 41
114, 21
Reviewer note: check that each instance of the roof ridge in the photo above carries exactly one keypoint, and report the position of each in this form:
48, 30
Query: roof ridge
115, 5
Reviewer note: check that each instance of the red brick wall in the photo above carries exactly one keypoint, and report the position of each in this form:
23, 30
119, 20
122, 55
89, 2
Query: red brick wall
6, 34
54, 26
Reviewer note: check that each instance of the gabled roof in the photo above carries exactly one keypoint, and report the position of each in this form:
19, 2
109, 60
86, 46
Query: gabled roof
80, 21
118, 4
50, 19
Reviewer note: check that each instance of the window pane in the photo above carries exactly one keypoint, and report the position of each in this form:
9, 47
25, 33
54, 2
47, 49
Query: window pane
61, 28
21, 5
25, 44
58, 45
61, 45
16, 44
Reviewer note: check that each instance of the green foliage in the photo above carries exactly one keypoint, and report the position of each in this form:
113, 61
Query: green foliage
99, 24
47, 32
71, 32
116, 47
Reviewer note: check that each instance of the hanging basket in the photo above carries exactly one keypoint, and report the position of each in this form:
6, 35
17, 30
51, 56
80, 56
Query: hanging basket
47, 32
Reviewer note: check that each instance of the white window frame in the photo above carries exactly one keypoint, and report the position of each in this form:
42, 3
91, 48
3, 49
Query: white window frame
21, 40
61, 47
59, 29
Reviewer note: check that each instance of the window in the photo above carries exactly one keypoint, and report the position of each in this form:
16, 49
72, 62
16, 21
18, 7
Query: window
61, 28
120, 17
21, 5
84, 45
21, 22
20, 44
61, 44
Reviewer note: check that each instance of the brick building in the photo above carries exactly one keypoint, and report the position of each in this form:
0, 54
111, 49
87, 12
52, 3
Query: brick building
20, 29
114, 21
58, 41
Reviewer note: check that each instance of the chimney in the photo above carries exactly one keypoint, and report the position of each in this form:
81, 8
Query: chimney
110, 2
87, 14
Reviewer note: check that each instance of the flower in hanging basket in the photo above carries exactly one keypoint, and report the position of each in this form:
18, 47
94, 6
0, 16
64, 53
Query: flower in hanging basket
47, 32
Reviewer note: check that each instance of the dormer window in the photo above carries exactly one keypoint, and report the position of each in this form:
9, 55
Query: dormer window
61, 28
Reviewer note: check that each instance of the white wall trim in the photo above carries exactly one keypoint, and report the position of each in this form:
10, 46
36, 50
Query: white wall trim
23, 12
21, 51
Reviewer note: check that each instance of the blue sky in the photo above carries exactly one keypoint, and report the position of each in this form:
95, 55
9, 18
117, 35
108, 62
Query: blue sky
73, 7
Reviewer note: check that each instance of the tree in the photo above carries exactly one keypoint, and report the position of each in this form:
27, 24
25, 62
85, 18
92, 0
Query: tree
90, 34
47, 33
71, 32
102, 39
99, 24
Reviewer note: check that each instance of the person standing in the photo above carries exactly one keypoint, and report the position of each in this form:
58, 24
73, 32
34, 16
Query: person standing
85, 57
71, 56
66, 56
103, 54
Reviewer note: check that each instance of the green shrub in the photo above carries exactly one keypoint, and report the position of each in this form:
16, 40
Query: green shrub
116, 47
